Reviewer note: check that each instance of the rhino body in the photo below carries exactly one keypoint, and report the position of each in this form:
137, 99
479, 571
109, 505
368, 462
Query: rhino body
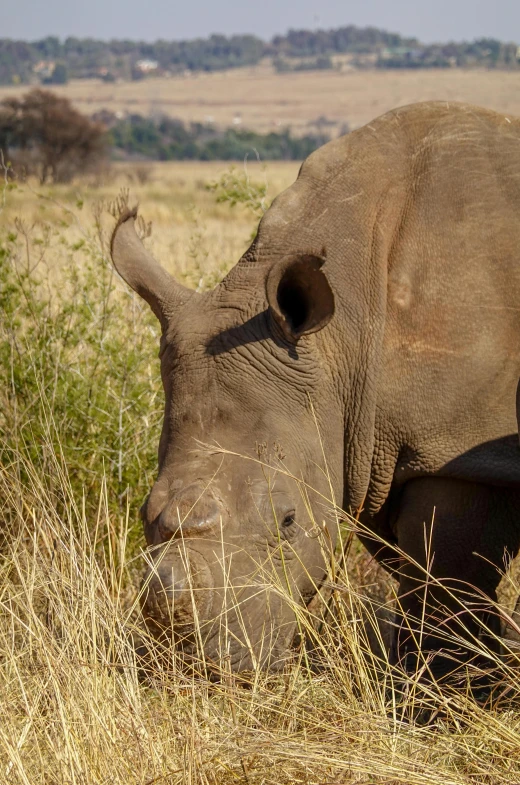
367, 342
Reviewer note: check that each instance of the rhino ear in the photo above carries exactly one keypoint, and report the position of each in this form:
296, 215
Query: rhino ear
299, 295
142, 272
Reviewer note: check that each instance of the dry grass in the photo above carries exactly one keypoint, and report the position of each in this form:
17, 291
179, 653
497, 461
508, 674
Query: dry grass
266, 101
73, 707
193, 235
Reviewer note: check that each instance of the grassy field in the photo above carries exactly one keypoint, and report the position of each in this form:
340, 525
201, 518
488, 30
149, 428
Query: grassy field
192, 231
265, 101
80, 411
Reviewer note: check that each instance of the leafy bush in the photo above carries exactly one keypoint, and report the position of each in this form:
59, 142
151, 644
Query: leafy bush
165, 139
234, 187
321, 63
80, 395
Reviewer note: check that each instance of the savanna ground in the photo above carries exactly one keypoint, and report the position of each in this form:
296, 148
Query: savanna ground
80, 411
265, 101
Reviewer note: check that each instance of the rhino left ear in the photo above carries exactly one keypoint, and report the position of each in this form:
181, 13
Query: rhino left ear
299, 295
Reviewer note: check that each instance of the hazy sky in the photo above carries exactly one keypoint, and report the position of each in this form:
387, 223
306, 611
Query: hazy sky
432, 20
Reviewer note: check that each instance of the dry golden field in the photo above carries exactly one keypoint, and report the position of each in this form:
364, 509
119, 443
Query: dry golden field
80, 411
265, 101
192, 233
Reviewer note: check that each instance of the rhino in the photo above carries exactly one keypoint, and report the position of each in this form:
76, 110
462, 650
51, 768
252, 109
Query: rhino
362, 356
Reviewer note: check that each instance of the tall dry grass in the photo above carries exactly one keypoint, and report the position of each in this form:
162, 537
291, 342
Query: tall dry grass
74, 708
79, 418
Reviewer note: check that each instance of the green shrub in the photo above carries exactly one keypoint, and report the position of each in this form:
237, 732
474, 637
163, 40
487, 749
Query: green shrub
80, 394
234, 187
167, 139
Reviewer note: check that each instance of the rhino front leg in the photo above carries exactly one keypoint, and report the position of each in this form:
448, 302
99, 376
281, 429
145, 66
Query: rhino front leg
456, 535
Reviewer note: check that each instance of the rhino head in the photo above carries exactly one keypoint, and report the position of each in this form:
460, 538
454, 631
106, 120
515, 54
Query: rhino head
243, 487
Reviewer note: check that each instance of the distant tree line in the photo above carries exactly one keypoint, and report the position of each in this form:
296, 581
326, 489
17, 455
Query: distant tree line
484, 52
167, 139
86, 58
52, 60
342, 40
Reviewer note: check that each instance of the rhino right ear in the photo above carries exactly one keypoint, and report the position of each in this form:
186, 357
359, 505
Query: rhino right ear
299, 295
142, 272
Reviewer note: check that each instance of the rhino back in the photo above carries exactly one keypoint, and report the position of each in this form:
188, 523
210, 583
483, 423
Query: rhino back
417, 214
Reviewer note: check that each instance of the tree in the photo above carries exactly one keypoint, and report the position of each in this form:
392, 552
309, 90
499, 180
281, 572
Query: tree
43, 134
59, 75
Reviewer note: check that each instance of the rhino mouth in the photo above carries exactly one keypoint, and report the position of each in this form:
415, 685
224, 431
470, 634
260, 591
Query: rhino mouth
214, 659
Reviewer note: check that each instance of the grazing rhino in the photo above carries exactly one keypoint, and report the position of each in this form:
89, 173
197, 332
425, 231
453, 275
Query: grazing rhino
369, 337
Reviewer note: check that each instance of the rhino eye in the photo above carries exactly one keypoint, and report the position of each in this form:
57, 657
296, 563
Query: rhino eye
288, 519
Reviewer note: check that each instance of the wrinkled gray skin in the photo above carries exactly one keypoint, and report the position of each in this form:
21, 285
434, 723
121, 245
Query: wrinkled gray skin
383, 287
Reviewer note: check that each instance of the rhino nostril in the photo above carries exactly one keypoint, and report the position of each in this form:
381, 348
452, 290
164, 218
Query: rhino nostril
165, 530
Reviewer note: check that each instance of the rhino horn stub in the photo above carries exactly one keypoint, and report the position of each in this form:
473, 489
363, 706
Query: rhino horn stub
142, 272
299, 295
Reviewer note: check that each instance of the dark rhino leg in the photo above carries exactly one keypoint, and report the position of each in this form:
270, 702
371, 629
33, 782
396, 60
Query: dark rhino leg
456, 535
